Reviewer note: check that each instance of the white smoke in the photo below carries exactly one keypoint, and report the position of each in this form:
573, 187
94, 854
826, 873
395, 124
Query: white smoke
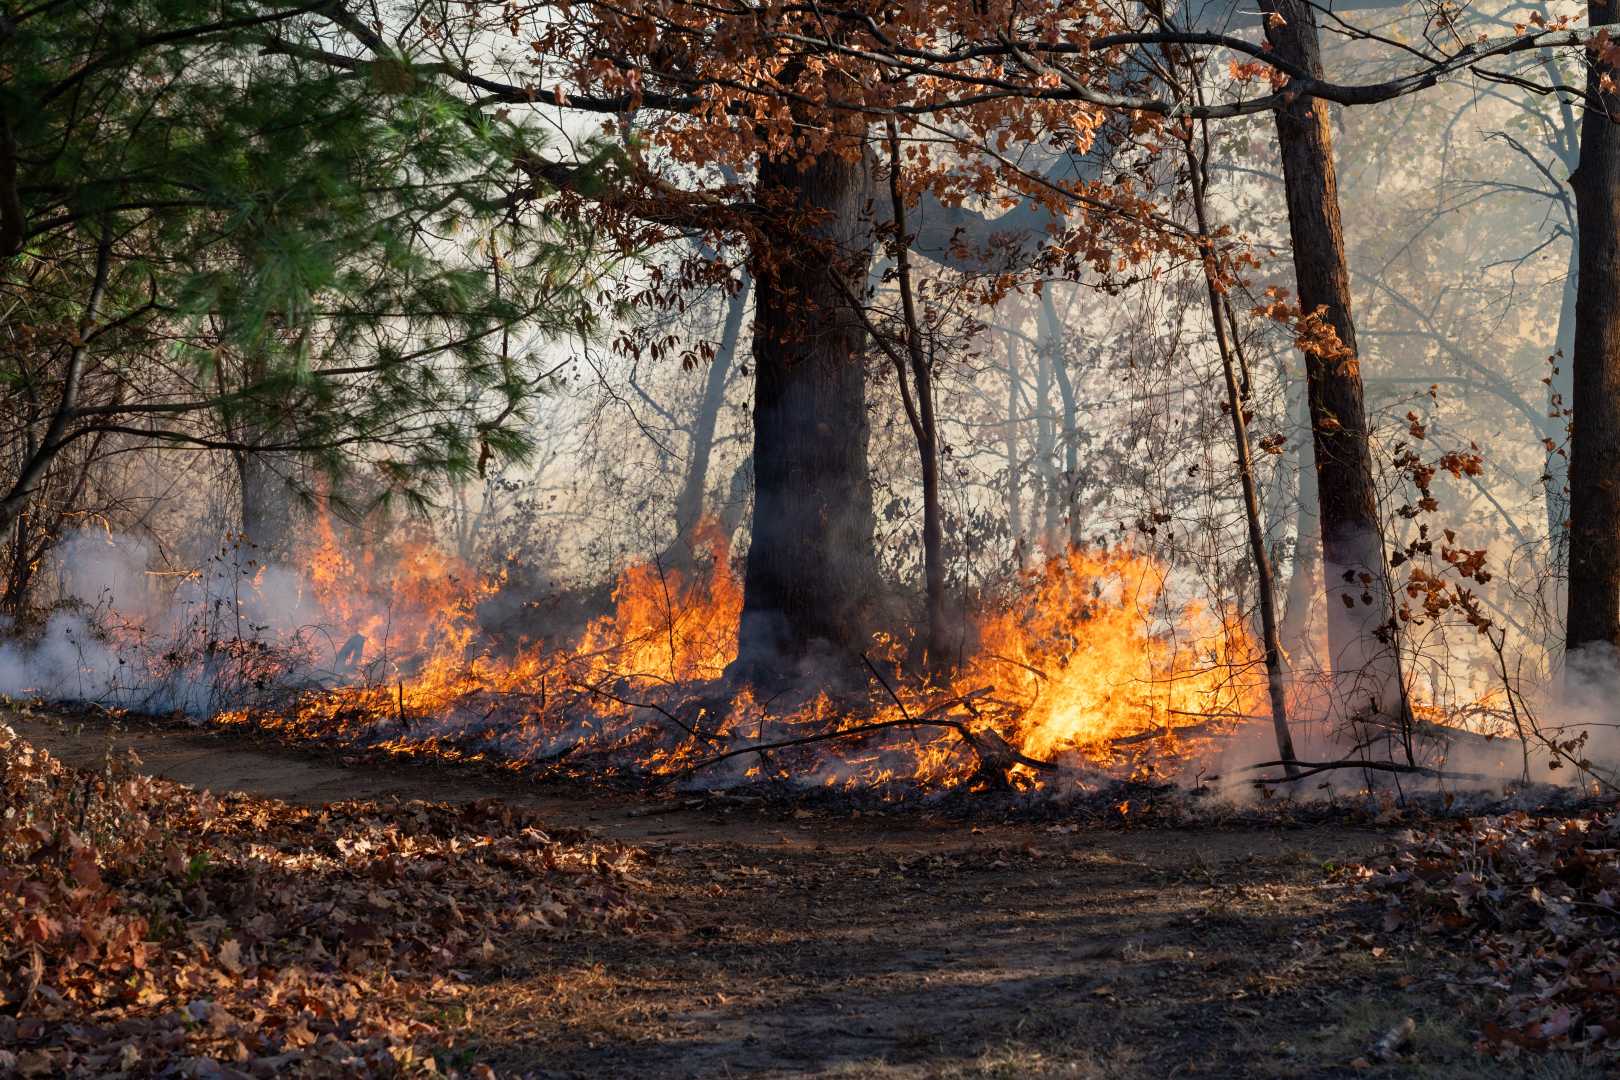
123, 635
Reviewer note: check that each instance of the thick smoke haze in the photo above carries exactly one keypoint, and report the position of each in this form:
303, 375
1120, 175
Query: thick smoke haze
125, 635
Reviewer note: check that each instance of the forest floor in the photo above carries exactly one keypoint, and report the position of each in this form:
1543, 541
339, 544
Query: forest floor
901, 945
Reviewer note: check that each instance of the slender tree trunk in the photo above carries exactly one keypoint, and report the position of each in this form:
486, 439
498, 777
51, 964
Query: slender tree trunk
20, 565
1044, 515
811, 569
1594, 467
689, 502
1015, 481
56, 436
1276, 676
919, 403
1052, 340
1361, 627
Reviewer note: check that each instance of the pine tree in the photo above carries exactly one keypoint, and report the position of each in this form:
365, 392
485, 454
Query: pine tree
218, 235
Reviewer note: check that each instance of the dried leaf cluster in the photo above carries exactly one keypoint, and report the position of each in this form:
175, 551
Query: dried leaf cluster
1536, 899
147, 929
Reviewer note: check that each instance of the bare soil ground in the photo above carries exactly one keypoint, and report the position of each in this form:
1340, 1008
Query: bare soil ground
899, 946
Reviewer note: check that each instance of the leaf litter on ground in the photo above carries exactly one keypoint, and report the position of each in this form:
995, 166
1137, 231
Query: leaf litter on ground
149, 929
1535, 904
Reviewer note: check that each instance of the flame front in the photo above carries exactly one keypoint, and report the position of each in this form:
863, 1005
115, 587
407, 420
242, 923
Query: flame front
1090, 651
1093, 650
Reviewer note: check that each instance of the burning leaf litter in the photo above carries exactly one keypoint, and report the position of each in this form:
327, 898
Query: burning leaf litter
144, 925
1092, 666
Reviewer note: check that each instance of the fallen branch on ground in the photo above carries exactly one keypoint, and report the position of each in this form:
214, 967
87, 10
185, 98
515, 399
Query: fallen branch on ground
990, 748
1312, 768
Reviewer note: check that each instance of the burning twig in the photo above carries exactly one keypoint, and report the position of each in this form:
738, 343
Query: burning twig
990, 747
867, 660
966, 700
665, 713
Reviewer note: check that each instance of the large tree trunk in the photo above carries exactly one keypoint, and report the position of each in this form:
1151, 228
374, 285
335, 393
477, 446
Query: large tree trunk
811, 571
1366, 664
267, 509
1594, 466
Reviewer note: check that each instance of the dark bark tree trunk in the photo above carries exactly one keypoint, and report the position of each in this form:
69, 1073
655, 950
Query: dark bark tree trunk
267, 510
1366, 664
1265, 590
811, 571
919, 402
263, 476
1594, 466
44, 451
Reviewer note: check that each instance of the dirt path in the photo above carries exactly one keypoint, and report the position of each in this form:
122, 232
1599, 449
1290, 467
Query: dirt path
893, 947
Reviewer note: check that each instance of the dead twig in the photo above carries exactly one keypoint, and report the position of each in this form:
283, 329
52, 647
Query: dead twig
659, 709
1312, 768
987, 745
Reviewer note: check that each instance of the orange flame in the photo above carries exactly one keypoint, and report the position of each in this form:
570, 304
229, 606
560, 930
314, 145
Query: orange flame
1097, 651
667, 627
1090, 650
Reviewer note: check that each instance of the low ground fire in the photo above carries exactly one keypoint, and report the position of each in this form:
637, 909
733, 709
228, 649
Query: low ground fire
1089, 665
